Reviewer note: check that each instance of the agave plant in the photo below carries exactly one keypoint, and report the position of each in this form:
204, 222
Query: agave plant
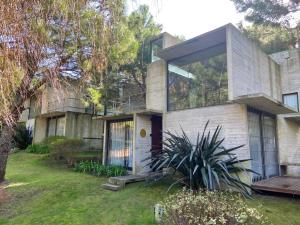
204, 164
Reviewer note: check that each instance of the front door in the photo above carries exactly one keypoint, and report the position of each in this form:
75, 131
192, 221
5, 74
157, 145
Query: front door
262, 141
120, 143
156, 134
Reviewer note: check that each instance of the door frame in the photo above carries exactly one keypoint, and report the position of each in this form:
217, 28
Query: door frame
107, 131
261, 115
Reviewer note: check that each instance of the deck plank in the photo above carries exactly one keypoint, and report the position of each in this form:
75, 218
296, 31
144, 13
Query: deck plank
283, 184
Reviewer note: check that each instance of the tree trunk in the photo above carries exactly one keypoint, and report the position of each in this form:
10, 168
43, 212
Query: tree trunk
5, 146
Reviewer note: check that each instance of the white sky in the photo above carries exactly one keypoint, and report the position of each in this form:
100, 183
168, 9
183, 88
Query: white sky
190, 18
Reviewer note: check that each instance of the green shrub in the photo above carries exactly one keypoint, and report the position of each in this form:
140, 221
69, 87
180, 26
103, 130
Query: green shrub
65, 147
22, 137
52, 140
98, 169
205, 164
209, 208
38, 149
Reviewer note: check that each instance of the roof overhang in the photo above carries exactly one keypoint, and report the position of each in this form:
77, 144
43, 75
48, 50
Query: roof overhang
52, 114
293, 117
146, 112
203, 42
264, 103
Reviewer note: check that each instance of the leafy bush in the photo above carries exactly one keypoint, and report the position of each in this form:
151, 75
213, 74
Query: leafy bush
63, 147
38, 149
206, 164
209, 208
52, 140
98, 169
22, 137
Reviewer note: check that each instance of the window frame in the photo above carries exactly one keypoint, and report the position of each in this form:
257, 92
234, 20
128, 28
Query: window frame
151, 46
288, 94
167, 85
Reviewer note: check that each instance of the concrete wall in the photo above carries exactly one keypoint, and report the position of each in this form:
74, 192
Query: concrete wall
142, 144
232, 118
289, 144
289, 131
156, 86
250, 70
83, 126
40, 129
289, 62
169, 40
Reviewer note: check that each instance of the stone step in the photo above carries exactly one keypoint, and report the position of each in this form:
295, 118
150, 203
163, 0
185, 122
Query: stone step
112, 187
122, 180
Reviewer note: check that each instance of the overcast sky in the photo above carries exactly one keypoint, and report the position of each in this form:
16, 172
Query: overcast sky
190, 18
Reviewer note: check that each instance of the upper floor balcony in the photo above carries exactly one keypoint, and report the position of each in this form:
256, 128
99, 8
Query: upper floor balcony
219, 67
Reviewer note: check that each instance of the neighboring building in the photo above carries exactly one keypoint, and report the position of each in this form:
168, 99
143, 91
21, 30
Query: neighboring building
219, 76
62, 113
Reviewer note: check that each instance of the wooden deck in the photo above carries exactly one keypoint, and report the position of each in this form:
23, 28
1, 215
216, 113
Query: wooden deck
283, 184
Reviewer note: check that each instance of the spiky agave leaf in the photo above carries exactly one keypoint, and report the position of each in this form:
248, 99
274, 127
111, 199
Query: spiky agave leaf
205, 164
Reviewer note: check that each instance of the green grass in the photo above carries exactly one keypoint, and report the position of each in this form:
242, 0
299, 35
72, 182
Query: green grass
43, 193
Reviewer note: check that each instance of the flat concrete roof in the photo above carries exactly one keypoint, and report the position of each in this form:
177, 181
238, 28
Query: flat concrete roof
264, 103
202, 42
148, 112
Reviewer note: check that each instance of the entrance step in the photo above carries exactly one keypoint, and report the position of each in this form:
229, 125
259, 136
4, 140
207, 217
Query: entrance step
118, 183
111, 187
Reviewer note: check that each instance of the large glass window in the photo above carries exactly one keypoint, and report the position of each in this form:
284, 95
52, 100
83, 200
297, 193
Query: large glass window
291, 100
56, 126
156, 47
198, 80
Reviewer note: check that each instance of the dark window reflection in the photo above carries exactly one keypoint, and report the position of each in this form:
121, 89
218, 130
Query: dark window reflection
198, 80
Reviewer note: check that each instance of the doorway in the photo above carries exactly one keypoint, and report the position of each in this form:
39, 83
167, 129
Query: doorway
263, 144
120, 143
156, 135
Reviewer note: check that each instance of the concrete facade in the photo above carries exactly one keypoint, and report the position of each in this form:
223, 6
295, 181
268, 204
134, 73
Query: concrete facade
250, 70
256, 82
64, 103
289, 124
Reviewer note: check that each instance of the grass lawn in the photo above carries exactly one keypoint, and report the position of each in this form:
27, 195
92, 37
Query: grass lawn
40, 193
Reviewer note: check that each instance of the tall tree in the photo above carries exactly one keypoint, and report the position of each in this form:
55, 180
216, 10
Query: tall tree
276, 13
272, 12
143, 26
42, 41
271, 39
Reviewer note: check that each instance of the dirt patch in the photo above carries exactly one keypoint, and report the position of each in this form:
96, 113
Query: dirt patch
4, 196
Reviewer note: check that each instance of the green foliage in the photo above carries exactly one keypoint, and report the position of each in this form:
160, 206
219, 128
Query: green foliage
271, 39
57, 146
209, 208
23, 136
63, 147
56, 195
52, 140
273, 12
205, 164
38, 149
98, 169
143, 26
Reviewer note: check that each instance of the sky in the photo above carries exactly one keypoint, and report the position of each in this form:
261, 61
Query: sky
190, 18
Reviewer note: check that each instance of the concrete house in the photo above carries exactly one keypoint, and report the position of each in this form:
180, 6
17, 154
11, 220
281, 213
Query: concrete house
62, 113
223, 77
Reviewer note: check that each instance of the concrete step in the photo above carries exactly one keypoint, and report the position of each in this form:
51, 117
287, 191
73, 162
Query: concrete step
112, 187
123, 180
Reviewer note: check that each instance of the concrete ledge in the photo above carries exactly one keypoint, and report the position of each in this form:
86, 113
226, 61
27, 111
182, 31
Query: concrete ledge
265, 103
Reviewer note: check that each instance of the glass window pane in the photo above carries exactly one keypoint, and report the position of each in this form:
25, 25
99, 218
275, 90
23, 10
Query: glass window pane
291, 100
156, 47
60, 127
198, 80
51, 127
